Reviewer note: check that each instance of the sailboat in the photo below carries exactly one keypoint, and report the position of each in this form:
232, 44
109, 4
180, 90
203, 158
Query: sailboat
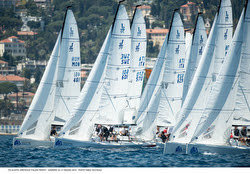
60, 74
162, 96
106, 99
193, 109
213, 131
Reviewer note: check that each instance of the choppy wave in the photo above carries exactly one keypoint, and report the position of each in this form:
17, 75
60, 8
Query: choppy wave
90, 157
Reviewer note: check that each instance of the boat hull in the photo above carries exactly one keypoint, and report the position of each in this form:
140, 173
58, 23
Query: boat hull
19, 143
220, 149
182, 148
68, 143
174, 148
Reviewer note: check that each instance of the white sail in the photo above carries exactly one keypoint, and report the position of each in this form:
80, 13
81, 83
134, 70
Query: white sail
137, 64
150, 98
193, 104
224, 34
69, 70
172, 82
80, 125
162, 96
188, 41
115, 91
205, 75
242, 112
215, 124
37, 122
197, 47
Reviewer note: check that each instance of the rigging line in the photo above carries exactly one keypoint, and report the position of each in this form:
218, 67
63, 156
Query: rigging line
168, 102
230, 115
245, 97
64, 101
109, 98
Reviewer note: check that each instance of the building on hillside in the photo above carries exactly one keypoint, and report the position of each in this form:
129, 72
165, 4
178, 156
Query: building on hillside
8, 3
19, 81
25, 97
42, 3
27, 34
146, 11
85, 70
13, 46
189, 12
5, 69
144, 1
157, 36
26, 19
207, 25
32, 65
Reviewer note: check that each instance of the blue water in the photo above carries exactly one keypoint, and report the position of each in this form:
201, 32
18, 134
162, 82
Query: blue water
87, 157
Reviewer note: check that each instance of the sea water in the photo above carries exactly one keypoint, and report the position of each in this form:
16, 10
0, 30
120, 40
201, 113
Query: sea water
116, 157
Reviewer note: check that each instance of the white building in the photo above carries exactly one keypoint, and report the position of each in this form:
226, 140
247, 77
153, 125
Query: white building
13, 46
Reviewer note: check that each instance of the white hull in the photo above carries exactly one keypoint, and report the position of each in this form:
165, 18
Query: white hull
174, 148
31, 143
181, 148
220, 149
68, 143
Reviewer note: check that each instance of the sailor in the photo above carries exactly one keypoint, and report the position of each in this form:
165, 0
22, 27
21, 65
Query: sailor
99, 131
236, 131
105, 133
124, 132
243, 135
111, 133
53, 132
163, 136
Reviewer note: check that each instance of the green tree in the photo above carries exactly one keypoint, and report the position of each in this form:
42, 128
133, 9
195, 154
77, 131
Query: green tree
26, 73
5, 89
9, 58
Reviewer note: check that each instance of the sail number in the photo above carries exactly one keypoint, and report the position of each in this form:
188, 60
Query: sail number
142, 61
76, 61
139, 76
77, 77
181, 63
125, 74
125, 59
180, 78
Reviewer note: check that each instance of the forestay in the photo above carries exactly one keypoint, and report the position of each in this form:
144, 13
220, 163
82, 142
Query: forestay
69, 70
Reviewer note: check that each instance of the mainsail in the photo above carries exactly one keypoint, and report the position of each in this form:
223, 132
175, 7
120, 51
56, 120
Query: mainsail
174, 71
69, 70
242, 112
80, 125
137, 65
115, 90
193, 57
161, 98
